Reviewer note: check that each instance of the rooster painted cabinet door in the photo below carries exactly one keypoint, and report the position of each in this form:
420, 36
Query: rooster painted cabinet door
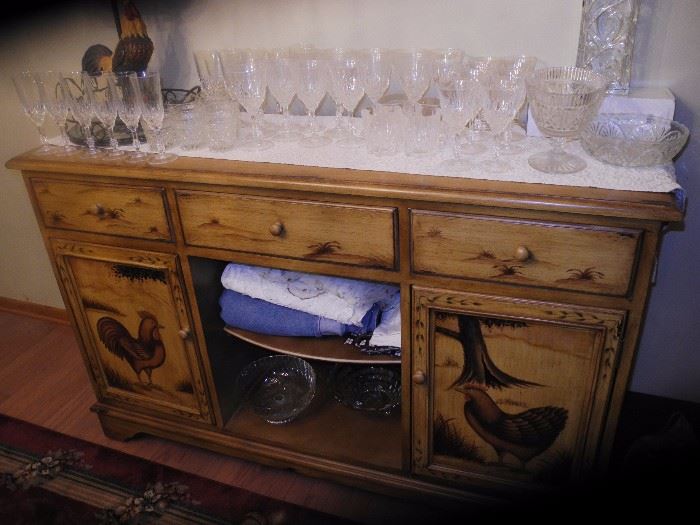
131, 314
508, 390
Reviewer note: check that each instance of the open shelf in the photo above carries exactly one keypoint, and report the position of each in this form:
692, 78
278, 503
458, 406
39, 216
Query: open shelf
330, 349
332, 431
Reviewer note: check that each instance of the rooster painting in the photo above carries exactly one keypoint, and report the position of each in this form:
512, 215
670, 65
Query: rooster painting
133, 50
143, 353
523, 435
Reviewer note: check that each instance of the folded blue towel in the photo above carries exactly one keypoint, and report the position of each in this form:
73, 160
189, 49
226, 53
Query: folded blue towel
242, 311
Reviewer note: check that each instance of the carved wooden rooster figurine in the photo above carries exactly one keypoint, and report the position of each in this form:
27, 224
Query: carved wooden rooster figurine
524, 435
143, 353
134, 49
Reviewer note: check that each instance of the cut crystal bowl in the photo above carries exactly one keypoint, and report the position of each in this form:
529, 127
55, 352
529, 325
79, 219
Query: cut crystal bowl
279, 387
563, 100
633, 140
373, 389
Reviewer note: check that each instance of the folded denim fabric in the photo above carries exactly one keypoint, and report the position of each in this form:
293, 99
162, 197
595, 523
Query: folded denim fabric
245, 312
388, 333
344, 300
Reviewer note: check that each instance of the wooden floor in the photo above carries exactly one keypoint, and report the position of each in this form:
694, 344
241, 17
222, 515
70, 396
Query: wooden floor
43, 381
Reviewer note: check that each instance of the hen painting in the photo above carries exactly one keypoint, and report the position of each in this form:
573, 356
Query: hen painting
143, 352
523, 435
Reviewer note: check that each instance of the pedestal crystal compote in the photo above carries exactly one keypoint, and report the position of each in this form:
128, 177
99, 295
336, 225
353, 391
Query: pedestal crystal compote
563, 100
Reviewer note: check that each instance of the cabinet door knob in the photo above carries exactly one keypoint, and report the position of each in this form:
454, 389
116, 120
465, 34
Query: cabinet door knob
184, 333
522, 254
419, 377
276, 229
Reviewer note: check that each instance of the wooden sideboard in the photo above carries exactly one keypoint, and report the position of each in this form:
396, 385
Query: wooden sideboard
521, 311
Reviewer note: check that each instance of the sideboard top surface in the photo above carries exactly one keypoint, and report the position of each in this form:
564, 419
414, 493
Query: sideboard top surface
240, 174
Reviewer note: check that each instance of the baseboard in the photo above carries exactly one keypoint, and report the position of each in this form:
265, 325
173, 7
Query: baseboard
40, 311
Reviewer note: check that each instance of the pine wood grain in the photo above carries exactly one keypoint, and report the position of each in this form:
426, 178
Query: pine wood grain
43, 381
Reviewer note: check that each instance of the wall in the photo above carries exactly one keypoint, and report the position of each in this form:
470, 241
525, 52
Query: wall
666, 53
664, 56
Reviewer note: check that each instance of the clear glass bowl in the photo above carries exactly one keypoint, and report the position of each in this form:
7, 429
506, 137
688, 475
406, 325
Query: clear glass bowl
279, 387
373, 389
633, 140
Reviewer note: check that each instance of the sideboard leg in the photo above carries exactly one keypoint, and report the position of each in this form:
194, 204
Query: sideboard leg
114, 428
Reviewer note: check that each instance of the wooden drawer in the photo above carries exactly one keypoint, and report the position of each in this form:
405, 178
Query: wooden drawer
340, 233
569, 256
103, 208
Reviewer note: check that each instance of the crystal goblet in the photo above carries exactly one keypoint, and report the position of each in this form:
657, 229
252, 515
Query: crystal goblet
563, 100
30, 92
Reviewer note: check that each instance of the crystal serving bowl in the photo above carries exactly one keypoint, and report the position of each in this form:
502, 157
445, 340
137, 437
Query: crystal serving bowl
373, 389
279, 387
633, 140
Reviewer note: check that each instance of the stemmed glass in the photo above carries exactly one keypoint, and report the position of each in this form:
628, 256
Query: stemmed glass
375, 74
30, 91
338, 131
346, 71
211, 75
245, 77
57, 106
512, 69
282, 84
460, 100
104, 107
502, 101
312, 86
449, 65
147, 86
76, 85
563, 100
128, 109
415, 70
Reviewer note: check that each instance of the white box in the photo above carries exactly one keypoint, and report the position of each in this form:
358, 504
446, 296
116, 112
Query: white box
659, 102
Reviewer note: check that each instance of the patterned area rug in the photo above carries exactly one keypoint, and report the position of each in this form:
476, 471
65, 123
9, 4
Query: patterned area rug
49, 478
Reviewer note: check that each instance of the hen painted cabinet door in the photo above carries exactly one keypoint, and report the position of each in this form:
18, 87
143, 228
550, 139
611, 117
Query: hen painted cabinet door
509, 390
132, 317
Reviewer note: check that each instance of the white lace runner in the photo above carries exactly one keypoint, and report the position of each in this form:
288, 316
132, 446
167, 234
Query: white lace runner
597, 175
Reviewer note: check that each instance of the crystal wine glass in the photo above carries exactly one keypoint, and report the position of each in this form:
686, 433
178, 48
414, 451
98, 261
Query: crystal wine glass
128, 110
245, 77
501, 103
460, 100
338, 131
415, 70
57, 106
313, 83
563, 100
345, 76
76, 85
513, 69
282, 84
104, 107
148, 86
376, 74
211, 75
30, 92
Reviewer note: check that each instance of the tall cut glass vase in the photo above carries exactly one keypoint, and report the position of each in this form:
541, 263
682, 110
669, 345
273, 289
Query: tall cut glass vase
606, 40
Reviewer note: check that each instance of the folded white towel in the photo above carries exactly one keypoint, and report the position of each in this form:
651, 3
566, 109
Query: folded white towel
388, 332
343, 300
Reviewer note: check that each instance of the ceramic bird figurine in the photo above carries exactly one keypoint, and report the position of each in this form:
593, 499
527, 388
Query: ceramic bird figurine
132, 52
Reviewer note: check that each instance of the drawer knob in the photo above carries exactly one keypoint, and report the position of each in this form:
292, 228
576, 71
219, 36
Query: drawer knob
184, 333
419, 377
277, 229
522, 254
